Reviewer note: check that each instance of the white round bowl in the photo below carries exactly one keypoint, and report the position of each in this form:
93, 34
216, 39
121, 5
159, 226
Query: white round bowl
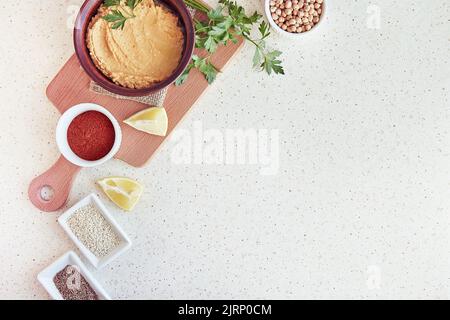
286, 33
61, 135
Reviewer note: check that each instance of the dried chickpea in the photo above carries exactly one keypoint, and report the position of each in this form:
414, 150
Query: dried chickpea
296, 16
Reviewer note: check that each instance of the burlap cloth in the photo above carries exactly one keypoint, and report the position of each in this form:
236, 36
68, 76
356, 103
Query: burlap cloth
156, 99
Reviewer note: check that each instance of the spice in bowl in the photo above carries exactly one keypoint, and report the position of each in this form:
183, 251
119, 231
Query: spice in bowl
73, 286
94, 231
91, 135
296, 16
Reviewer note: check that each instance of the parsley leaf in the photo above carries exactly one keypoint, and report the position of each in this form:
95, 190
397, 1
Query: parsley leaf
210, 44
111, 3
225, 23
215, 14
257, 58
184, 76
203, 65
117, 18
133, 3
272, 64
120, 15
206, 67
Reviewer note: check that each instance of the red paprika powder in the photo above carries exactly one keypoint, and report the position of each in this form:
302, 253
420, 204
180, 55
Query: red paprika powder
91, 135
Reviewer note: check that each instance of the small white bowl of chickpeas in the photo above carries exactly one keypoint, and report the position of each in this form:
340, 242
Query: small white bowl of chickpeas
294, 18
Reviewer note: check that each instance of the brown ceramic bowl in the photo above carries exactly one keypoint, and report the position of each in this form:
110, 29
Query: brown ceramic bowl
89, 10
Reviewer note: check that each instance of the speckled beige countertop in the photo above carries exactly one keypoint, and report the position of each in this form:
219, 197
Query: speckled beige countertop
359, 207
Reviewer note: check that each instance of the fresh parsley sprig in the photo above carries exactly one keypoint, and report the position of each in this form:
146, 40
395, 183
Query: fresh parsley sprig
133, 3
203, 65
224, 24
119, 13
117, 19
111, 3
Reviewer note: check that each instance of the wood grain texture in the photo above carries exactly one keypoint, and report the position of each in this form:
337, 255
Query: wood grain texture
71, 87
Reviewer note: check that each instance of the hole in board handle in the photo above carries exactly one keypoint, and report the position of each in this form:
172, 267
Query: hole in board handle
47, 193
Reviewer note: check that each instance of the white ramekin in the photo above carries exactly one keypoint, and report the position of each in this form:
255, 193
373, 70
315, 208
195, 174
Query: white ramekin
125, 241
69, 259
282, 32
64, 123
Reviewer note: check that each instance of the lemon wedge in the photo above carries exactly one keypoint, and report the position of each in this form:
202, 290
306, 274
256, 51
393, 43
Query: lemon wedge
124, 192
152, 120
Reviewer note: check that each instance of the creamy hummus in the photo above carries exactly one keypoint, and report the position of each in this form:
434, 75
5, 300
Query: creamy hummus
146, 51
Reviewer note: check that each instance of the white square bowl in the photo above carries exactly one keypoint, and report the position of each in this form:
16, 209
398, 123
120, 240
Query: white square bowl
97, 262
69, 259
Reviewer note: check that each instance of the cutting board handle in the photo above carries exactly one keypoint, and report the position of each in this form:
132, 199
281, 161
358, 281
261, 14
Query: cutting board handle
57, 179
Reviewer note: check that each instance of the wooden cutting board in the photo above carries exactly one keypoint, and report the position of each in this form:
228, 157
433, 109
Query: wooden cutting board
71, 87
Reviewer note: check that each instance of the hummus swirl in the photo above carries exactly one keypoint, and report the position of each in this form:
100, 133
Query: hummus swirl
146, 51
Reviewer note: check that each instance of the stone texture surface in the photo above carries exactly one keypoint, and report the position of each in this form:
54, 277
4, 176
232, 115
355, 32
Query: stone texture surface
359, 207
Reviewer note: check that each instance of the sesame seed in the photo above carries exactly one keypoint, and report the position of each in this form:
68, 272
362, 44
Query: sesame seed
94, 231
